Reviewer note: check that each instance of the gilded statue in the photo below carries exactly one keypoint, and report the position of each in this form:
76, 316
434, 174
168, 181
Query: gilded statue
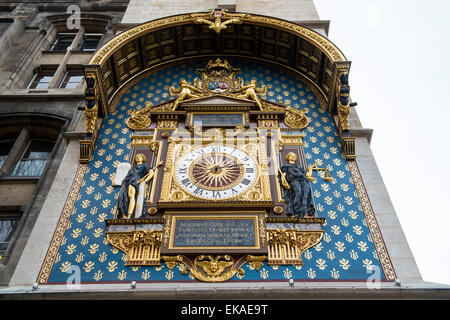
91, 108
218, 25
214, 267
297, 192
185, 92
251, 91
343, 108
141, 172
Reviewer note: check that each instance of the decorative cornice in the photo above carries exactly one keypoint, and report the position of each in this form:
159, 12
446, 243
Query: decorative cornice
117, 42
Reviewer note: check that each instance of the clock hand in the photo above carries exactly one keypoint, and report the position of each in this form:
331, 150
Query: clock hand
215, 168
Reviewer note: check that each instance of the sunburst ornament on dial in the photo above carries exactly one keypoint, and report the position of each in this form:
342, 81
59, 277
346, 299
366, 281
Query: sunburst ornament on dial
216, 172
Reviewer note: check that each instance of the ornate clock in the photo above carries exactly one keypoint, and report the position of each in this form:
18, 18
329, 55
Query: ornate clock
216, 172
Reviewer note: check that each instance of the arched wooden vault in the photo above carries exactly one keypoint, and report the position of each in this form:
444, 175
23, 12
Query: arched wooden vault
183, 37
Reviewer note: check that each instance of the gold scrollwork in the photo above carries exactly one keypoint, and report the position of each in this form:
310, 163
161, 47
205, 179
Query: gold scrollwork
213, 269
256, 262
296, 119
140, 119
167, 124
91, 115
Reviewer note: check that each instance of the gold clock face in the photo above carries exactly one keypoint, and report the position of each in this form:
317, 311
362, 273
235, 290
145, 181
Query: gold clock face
216, 172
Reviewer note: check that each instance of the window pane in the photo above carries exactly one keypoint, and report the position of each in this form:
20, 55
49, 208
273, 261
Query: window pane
73, 82
63, 42
5, 148
34, 160
90, 42
6, 232
41, 82
29, 168
39, 149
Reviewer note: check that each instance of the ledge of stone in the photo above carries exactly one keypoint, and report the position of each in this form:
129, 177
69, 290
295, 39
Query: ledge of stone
42, 94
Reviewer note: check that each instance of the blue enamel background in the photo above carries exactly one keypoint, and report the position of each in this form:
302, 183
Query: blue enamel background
345, 252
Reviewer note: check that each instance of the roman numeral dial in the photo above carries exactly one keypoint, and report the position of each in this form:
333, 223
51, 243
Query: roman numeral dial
216, 172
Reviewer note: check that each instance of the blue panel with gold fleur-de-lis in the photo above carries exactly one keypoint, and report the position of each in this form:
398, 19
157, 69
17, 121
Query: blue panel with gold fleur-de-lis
346, 251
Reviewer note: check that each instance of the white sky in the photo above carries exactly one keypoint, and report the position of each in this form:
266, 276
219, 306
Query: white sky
400, 77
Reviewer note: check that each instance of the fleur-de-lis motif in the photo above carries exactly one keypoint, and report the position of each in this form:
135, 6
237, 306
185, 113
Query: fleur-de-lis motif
102, 257
354, 255
93, 248
88, 266
340, 246
65, 266
367, 264
321, 264
332, 214
98, 275
106, 203
353, 214
336, 229
311, 273
358, 230
80, 257
349, 237
263, 273
90, 189
112, 265
330, 255
71, 248
344, 264
93, 210
85, 203
287, 273
76, 233
89, 225
98, 232
169, 274
334, 274
98, 164
122, 275
85, 240
145, 274
362, 246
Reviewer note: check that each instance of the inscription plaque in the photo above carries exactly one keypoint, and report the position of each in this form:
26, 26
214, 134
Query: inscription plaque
214, 232
218, 119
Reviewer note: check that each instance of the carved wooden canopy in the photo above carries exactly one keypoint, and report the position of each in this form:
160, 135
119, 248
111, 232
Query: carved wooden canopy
185, 36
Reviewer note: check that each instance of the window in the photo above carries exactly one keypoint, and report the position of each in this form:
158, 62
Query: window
91, 41
63, 41
71, 80
5, 147
40, 81
8, 224
34, 159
